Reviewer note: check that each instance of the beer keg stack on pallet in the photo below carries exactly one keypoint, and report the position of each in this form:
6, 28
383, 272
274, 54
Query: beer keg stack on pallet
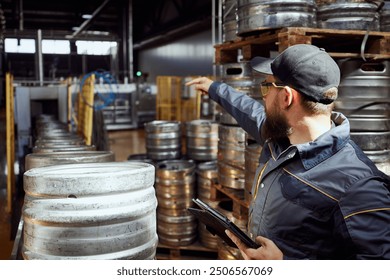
265, 28
180, 172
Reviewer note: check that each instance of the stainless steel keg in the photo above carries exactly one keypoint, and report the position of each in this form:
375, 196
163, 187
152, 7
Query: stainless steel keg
238, 75
63, 148
163, 140
364, 97
90, 211
230, 176
347, 14
207, 175
202, 140
253, 15
252, 155
385, 17
364, 94
231, 145
229, 22
56, 158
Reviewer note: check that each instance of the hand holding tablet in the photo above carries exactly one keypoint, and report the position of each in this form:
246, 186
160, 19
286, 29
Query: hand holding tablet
216, 223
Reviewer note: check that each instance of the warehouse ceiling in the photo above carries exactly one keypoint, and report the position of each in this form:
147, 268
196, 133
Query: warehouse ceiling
104, 19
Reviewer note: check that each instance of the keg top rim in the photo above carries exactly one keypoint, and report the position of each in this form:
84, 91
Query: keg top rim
99, 169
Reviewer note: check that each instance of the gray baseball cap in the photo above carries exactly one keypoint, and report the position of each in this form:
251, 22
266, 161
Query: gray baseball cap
306, 68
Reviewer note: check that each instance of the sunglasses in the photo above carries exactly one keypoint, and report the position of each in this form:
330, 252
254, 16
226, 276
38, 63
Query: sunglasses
265, 88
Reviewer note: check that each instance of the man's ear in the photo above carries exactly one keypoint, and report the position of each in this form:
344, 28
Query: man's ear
289, 97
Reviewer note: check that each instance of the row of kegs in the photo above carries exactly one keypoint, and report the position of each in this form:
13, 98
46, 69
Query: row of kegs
81, 204
243, 17
222, 141
364, 97
214, 153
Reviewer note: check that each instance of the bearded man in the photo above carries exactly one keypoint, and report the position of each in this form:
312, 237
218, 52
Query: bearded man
316, 195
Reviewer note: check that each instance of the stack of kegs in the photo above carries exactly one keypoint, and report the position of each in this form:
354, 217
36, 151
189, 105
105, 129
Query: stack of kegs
175, 189
364, 97
207, 175
231, 156
232, 138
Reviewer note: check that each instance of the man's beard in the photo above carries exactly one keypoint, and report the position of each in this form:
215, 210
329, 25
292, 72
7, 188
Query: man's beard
276, 126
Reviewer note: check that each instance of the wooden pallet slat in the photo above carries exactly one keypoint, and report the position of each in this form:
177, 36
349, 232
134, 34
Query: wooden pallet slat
191, 252
240, 205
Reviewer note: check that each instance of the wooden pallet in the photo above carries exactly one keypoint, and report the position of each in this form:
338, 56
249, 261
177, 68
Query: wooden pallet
240, 205
194, 251
338, 43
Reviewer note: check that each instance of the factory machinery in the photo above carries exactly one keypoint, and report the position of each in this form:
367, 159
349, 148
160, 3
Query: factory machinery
123, 106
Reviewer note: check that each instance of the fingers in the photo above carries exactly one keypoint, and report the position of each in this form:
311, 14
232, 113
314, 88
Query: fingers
268, 249
194, 82
241, 246
262, 240
202, 84
236, 240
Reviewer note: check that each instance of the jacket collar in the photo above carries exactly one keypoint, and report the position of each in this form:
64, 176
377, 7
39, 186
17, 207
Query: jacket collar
329, 143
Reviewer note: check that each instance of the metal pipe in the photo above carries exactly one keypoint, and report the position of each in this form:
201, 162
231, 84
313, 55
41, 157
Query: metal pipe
220, 22
171, 34
213, 34
39, 58
85, 24
124, 45
216, 36
130, 39
21, 17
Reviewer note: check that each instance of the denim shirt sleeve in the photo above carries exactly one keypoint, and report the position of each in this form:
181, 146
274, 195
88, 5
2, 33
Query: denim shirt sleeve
248, 112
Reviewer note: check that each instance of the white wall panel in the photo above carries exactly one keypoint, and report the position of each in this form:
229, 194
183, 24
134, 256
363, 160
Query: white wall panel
192, 55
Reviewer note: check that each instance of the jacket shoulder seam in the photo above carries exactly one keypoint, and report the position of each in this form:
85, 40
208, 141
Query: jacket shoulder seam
311, 185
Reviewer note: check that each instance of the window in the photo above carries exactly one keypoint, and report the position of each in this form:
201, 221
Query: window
56, 46
19, 45
95, 47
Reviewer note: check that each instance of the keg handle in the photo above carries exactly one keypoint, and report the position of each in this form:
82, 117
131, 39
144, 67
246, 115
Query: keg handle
376, 17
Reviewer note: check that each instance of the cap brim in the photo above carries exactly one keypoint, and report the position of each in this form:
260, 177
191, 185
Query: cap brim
262, 65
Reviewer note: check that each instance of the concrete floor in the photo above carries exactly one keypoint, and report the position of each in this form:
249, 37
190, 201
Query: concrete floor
122, 143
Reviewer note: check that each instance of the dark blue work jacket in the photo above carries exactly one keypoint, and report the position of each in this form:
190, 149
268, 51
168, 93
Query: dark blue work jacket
318, 200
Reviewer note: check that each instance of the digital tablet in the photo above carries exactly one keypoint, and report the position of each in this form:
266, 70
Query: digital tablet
216, 223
